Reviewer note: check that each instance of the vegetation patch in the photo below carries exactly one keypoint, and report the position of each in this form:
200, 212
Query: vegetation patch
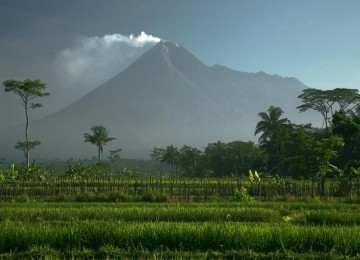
170, 230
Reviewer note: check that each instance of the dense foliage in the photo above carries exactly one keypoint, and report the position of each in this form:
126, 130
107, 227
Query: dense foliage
285, 148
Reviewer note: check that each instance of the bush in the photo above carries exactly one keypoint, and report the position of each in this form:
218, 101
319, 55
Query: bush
242, 195
154, 197
119, 197
85, 197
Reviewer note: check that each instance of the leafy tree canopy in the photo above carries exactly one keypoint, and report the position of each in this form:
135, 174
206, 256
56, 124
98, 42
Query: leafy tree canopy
27, 90
327, 101
26, 146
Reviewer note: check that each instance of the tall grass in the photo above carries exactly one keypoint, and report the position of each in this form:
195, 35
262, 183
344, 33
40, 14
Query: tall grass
147, 230
186, 236
304, 214
146, 214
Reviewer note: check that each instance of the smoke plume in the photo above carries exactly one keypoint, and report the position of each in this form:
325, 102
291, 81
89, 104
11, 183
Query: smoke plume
94, 60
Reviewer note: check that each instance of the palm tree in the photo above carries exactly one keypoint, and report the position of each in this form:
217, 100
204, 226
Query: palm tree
272, 128
100, 137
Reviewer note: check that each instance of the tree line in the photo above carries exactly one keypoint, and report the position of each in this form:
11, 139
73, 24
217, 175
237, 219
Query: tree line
284, 148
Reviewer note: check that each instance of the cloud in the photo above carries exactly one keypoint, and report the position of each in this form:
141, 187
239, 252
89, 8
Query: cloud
93, 60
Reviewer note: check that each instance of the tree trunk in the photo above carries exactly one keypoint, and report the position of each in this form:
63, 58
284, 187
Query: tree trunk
26, 137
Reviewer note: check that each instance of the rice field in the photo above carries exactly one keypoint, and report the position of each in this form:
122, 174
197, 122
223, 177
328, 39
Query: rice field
180, 230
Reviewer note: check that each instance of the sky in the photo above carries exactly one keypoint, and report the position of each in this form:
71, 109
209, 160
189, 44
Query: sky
75, 46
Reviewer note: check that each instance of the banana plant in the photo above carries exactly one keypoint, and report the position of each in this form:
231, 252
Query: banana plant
336, 171
2, 177
344, 176
11, 174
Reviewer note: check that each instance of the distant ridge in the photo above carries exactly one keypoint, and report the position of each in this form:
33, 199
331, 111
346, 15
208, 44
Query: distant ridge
167, 96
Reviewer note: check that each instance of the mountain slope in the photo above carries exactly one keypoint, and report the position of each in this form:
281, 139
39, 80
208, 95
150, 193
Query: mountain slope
165, 97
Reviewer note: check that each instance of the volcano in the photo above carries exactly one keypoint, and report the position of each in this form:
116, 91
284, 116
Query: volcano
167, 96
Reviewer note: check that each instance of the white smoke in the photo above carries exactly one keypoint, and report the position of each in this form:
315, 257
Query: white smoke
94, 60
138, 41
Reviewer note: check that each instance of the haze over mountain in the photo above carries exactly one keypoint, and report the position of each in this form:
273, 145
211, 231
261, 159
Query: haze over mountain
167, 96
72, 72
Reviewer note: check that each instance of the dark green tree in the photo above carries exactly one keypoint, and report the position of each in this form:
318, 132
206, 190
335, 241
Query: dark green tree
243, 156
348, 127
100, 137
326, 150
189, 159
217, 160
171, 157
271, 125
318, 100
157, 154
26, 146
327, 101
274, 131
347, 99
234, 158
114, 157
299, 159
27, 90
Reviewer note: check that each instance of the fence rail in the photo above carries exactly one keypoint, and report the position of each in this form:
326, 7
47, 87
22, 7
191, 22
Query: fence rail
181, 189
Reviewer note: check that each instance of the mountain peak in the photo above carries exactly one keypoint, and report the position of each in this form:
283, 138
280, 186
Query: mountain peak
167, 96
175, 56
167, 45
170, 48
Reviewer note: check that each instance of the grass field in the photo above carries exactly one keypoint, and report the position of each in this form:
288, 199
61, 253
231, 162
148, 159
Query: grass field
179, 230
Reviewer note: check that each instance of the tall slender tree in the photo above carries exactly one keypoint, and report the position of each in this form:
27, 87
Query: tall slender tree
100, 137
216, 159
171, 157
273, 129
189, 157
157, 154
27, 90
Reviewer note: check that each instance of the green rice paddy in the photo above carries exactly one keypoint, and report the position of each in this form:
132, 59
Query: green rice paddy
179, 230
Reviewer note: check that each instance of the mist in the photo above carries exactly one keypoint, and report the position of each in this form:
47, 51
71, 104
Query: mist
76, 70
94, 60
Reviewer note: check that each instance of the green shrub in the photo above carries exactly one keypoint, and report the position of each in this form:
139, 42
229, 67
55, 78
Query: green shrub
154, 197
242, 195
86, 197
120, 197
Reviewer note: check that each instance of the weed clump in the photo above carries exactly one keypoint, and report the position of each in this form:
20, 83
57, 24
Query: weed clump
242, 195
